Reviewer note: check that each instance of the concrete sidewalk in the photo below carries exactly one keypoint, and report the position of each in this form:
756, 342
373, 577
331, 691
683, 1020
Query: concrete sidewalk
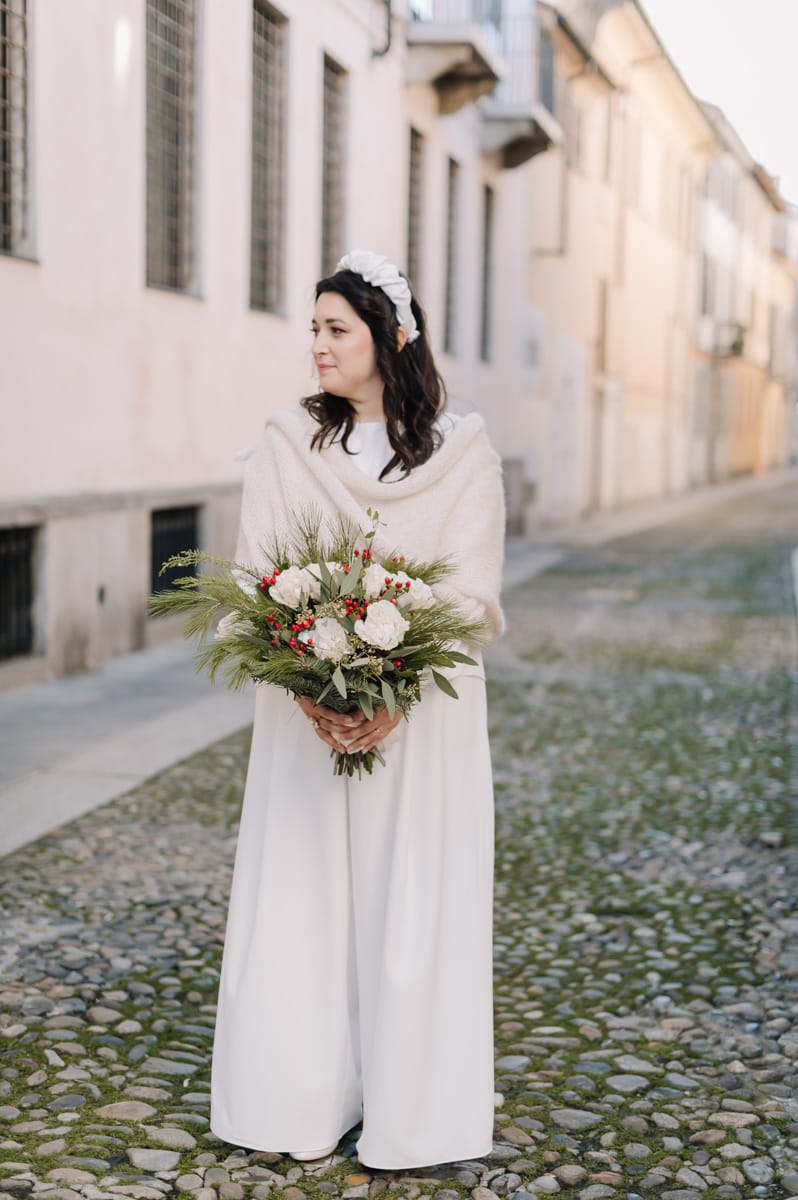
73, 744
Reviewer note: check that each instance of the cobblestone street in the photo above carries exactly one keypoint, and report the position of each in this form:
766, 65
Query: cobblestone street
645, 741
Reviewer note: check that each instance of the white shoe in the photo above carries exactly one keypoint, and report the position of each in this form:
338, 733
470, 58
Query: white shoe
311, 1155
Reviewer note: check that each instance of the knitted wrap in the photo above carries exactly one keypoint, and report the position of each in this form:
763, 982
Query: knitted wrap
450, 506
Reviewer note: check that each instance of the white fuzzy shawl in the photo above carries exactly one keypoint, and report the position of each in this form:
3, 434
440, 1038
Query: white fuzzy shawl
451, 505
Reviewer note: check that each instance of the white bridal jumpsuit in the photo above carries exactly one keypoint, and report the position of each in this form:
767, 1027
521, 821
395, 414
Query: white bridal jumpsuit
357, 967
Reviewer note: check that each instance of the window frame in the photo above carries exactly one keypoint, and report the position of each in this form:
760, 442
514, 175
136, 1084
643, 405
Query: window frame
23, 245
333, 216
267, 293
185, 277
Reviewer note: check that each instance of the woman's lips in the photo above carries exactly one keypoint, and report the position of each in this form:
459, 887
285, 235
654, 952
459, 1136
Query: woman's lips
324, 366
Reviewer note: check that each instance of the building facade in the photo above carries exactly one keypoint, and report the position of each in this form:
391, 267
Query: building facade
172, 186
175, 184
612, 264
660, 307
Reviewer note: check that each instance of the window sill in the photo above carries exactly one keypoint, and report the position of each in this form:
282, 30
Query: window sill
21, 256
173, 291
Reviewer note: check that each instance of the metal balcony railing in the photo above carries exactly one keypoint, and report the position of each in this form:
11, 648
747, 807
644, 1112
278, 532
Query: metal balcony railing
518, 88
487, 14
508, 27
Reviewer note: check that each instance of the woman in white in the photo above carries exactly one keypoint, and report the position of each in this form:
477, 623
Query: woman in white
357, 968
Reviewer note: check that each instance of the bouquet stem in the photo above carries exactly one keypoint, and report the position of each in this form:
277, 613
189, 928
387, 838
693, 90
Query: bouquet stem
348, 764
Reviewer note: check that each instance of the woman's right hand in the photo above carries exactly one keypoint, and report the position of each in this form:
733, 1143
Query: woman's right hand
335, 729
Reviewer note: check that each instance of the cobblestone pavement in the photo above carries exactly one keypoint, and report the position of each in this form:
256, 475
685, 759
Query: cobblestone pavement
646, 753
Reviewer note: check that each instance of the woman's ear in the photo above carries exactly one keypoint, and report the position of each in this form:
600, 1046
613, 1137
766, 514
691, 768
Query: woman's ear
401, 339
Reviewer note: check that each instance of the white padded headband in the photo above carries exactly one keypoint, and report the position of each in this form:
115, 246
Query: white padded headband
380, 272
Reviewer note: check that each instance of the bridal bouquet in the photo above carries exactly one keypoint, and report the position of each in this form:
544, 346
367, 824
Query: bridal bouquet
330, 620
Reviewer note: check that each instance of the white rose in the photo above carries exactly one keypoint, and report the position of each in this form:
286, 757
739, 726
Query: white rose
384, 626
230, 626
329, 639
314, 572
373, 581
418, 595
292, 587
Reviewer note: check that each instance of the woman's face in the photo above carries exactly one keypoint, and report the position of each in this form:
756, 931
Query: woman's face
343, 350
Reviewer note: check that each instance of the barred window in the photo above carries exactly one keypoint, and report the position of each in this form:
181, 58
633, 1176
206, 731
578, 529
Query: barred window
269, 46
171, 81
17, 549
415, 205
13, 125
172, 530
449, 308
486, 313
333, 165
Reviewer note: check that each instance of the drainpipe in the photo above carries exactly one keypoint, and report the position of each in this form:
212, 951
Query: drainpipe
388, 32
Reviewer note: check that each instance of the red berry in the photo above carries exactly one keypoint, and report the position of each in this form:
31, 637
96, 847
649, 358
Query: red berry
397, 662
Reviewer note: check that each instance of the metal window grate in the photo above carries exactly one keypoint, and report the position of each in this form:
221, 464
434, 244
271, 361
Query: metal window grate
17, 549
172, 530
13, 124
333, 166
449, 309
415, 207
171, 38
486, 311
269, 44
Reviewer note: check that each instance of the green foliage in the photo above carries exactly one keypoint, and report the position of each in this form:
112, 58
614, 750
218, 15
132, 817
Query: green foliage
260, 638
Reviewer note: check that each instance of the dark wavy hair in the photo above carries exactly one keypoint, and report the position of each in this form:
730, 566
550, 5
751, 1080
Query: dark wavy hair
414, 393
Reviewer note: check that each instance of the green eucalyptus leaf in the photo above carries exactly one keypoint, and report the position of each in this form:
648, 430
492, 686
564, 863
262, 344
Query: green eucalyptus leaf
352, 579
339, 681
388, 697
444, 684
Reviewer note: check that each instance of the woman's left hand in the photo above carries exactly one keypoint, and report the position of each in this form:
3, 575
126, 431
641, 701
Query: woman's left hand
370, 733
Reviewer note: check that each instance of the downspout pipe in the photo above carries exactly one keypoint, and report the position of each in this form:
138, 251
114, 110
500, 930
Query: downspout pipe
388, 33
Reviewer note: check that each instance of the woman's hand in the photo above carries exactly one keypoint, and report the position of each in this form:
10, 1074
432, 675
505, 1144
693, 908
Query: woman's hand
348, 733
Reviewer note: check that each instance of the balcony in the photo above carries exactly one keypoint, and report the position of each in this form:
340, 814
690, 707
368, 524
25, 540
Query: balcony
456, 46
515, 124
518, 131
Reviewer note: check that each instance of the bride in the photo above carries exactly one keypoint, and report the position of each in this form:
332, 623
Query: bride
356, 977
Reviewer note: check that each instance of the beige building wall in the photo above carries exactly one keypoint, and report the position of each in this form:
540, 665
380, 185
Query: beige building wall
746, 317
612, 277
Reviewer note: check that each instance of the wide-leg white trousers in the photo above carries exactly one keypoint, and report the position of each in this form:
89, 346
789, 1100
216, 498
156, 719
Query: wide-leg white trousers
357, 966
